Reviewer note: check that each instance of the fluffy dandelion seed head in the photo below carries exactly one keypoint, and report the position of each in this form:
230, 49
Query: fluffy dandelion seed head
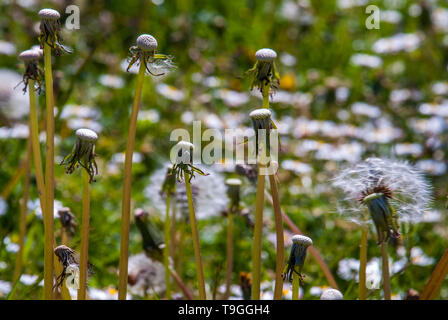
402, 184
260, 114
147, 42
233, 182
331, 294
302, 240
49, 14
86, 135
266, 54
184, 145
30, 55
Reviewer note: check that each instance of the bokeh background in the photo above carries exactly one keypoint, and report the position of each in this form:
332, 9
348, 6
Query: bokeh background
346, 93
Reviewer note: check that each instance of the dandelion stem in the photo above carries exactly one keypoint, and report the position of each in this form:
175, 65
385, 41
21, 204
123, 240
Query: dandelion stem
180, 249
173, 228
313, 251
265, 94
195, 235
258, 229
295, 284
166, 249
84, 254
13, 181
362, 265
23, 211
179, 282
280, 240
434, 283
385, 266
126, 202
49, 177
37, 157
229, 254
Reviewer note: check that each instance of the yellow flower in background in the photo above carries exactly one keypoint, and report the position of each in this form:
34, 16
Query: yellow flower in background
287, 82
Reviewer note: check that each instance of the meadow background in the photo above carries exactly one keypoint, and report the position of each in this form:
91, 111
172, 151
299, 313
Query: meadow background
346, 93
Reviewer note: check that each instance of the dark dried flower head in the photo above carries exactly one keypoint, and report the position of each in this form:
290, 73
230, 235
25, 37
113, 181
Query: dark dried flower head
297, 257
32, 70
264, 72
250, 171
246, 285
50, 29
169, 183
184, 161
83, 153
156, 64
331, 294
152, 239
233, 191
389, 190
68, 220
69, 260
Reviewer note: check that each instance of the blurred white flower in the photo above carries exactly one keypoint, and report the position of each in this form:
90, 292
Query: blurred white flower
365, 109
3, 206
5, 287
151, 115
111, 81
7, 48
413, 149
170, 92
145, 275
399, 42
439, 18
28, 279
366, 60
433, 167
347, 4
14, 103
436, 109
232, 98
390, 16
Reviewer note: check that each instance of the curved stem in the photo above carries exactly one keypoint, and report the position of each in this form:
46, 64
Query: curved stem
37, 157
126, 202
166, 249
258, 230
280, 240
84, 254
181, 285
312, 250
14, 180
195, 235
363, 264
434, 283
23, 211
229, 254
49, 178
385, 266
295, 286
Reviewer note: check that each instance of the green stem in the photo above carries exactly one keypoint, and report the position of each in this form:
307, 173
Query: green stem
49, 178
84, 254
195, 235
37, 157
280, 240
229, 254
386, 276
258, 228
166, 249
23, 211
265, 93
363, 264
126, 202
295, 285
434, 283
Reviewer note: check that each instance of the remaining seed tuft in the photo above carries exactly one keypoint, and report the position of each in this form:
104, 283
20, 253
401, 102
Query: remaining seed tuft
184, 161
49, 14
147, 42
331, 294
30, 55
266, 55
297, 257
31, 58
302, 240
87, 135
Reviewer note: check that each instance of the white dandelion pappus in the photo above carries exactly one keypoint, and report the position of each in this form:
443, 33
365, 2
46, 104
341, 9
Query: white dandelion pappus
410, 193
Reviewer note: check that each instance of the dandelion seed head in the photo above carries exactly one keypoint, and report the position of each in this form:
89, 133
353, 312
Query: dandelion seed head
49, 14
302, 240
30, 55
86, 135
147, 42
259, 114
410, 194
266, 54
331, 294
233, 182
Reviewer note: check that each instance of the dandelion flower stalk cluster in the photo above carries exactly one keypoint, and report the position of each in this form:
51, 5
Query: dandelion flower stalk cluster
143, 53
388, 191
83, 154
